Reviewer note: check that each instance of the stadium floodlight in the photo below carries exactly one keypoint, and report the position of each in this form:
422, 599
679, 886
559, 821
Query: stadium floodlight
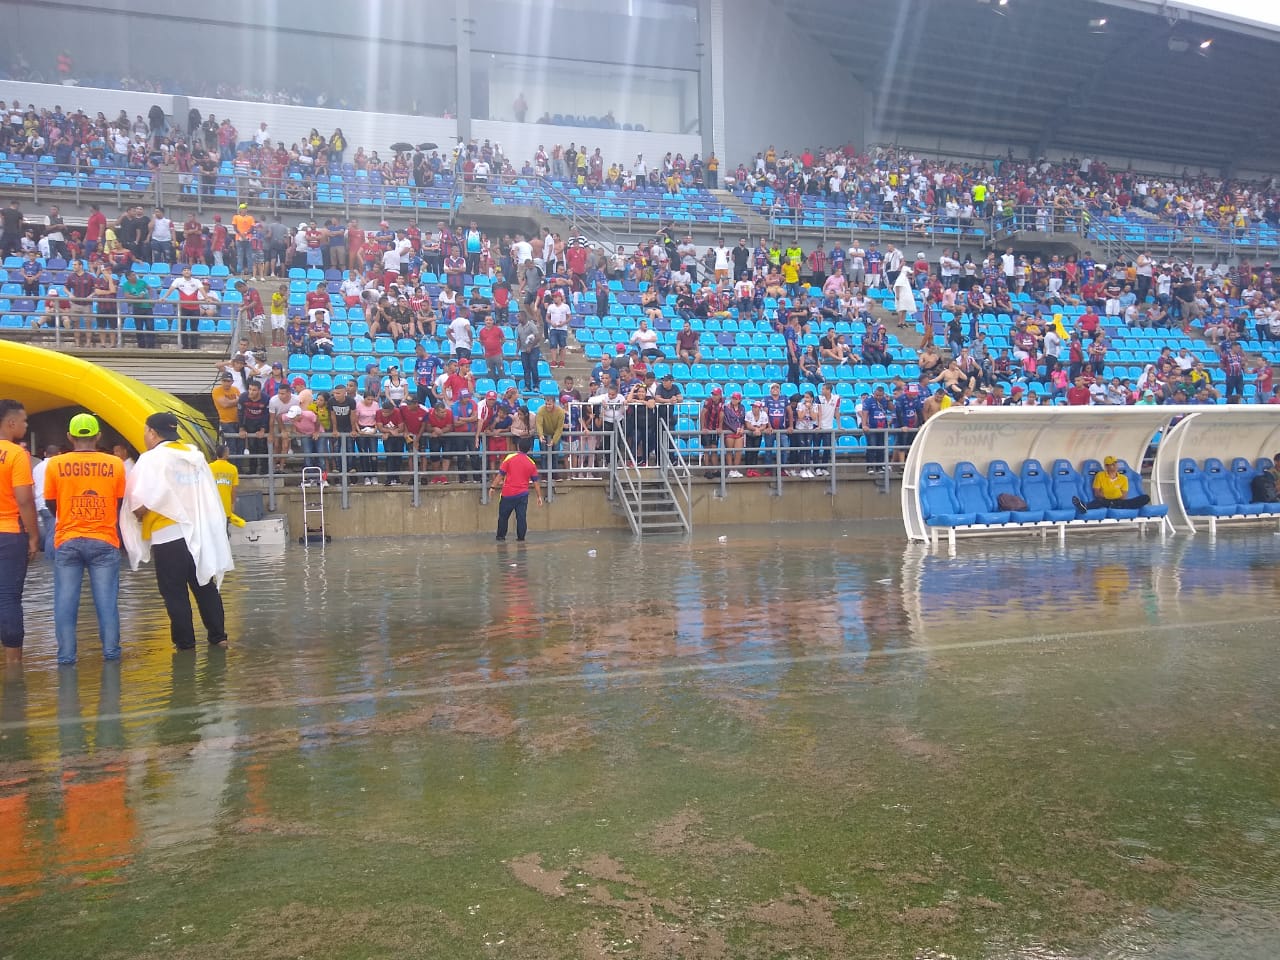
1206, 44
1098, 25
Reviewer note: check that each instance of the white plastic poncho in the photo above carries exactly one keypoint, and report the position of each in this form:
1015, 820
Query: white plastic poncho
173, 479
904, 297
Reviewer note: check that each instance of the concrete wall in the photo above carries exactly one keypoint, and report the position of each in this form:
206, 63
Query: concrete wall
780, 88
520, 141
384, 56
458, 512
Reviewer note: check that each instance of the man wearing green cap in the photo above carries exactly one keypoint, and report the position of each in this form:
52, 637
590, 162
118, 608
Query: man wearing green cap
83, 490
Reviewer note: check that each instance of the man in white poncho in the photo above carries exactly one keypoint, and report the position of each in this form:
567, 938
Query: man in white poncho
174, 516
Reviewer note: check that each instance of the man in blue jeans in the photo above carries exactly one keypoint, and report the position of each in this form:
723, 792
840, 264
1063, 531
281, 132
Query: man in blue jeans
19, 528
83, 490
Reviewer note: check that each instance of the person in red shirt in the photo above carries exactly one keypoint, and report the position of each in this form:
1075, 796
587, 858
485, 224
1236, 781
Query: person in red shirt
318, 302
218, 247
355, 246
492, 337
80, 287
514, 477
437, 441
192, 240
412, 417
576, 258
1078, 394
501, 292
94, 229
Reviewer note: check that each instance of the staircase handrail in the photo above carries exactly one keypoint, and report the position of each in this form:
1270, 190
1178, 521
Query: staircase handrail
624, 478
676, 475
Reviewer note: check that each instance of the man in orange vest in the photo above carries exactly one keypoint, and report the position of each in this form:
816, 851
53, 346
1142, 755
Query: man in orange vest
83, 490
19, 529
243, 223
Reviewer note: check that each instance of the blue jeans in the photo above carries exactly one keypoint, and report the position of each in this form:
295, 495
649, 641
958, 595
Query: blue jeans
244, 256
310, 447
13, 574
70, 561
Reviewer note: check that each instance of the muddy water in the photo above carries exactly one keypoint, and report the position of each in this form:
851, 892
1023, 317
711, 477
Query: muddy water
797, 742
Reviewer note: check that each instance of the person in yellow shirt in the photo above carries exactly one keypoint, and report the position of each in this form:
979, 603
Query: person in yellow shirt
83, 490
19, 528
791, 277
174, 515
227, 478
226, 400
1111, 489
279, 315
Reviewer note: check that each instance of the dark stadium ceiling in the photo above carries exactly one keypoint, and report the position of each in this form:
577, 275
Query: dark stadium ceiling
1032, 72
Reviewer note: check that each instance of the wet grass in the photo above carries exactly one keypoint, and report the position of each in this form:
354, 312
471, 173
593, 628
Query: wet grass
831, 818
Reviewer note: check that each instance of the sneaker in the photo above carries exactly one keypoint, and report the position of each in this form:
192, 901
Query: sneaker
807, 474
711, 474
1079, 505
736, 474
753, 473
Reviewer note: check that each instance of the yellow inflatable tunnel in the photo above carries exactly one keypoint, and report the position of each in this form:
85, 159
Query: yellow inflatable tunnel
45, 380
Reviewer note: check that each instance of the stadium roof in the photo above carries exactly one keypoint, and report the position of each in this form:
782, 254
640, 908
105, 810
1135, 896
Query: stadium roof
1048, 74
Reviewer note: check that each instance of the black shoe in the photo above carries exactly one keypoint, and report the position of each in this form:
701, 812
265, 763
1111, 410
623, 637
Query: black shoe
519, 539
499, 539
1079, 505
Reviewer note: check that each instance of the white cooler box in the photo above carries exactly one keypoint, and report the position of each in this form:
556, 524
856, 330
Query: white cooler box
269, 532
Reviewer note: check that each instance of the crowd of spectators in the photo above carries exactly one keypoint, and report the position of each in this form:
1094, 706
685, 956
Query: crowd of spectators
1060, 316
1031, 194
197, 147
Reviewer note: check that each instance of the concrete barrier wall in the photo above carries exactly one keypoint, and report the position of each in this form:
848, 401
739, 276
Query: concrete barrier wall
458, 512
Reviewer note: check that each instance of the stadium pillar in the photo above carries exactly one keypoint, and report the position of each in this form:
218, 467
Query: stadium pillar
465, 28
710, 49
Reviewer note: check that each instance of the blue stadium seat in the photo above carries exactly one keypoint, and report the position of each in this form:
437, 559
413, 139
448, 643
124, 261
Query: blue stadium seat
1135, 489
938, 499
1195, 496
1001, 479
1065, 483
972, 495
1036, 491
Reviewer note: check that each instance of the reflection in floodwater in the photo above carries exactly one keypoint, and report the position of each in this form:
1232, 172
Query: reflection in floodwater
774, 652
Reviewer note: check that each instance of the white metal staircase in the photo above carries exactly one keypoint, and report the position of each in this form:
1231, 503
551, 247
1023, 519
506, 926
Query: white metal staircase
655, 499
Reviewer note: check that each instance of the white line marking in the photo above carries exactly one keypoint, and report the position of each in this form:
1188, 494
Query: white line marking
625, 673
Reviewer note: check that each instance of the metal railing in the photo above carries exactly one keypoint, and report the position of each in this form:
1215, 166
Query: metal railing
114, 324
275, 457
624, 478
676, 474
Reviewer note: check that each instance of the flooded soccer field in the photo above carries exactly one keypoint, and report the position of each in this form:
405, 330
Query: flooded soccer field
800, 741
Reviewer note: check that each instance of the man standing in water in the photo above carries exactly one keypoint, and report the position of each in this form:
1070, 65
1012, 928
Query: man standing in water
514, 476
83, 489
19, 529
173, 511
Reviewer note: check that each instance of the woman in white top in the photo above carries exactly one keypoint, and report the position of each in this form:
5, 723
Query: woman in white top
395, 387
904, 298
